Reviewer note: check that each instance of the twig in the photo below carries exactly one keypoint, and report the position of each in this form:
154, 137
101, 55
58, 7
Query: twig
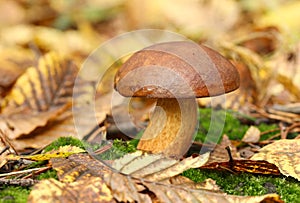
289, 129
4, 150
22, 172
103, 149
31, 175
269, 131
19, 182
6, 142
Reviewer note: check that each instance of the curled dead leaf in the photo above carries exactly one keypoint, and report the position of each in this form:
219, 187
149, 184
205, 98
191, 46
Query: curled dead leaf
285, 154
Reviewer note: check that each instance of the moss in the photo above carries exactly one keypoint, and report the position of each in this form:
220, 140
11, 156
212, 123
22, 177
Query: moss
36, 164
263, 127
63, 141
14, 194
232, 127
248, 184
48, 174
119, 149
124, 146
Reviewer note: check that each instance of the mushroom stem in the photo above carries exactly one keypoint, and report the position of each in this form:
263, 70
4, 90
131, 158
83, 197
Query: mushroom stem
171, 128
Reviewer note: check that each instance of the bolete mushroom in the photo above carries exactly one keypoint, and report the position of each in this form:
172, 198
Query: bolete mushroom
175, 73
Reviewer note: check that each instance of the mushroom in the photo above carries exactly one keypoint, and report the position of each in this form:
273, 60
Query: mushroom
174, 73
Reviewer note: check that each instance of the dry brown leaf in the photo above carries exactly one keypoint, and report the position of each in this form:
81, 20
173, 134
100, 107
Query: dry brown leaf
91, 189
171, 193
245, 166
208, 184
39, 95
42, 87
25, 121
200, 16
70, 42
252, 135
285, 154
63, 125
13, 62
219, 153
125, 188
283, 16
78, 166
156, 167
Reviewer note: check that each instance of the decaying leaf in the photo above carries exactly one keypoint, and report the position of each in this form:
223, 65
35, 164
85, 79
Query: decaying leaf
125, 188
42, 87
249, 166
200, 17
63, 151
252, 135
170, 193
25, 121
13, 62
91, 189
156, 167
283, 17
78, 166
219, 153
208, 184
40, 94
284, 154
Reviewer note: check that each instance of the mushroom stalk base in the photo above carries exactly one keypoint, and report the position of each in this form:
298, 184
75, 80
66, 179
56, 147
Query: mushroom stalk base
171, 128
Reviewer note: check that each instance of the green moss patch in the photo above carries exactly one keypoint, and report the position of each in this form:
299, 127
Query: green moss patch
233, 127
119, 149
63, 141
248, 184
14, 194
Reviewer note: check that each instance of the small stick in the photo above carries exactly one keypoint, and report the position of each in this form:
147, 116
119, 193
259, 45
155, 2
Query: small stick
4, 150
42, 170
19, 182
229, 154
6, 142
22, 172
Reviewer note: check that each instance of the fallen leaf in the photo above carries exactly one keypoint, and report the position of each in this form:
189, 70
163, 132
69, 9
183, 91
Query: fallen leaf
252, 135
156, 167
283, 17
171, 193
22, 123
125, 188
219, 153
91, 189
40, 94
200, 17
284, 154
208, 184
13, 63
63, 151
42, 87
249, 166
78, 166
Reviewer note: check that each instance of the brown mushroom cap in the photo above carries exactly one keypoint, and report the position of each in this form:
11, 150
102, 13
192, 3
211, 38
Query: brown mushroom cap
160, 70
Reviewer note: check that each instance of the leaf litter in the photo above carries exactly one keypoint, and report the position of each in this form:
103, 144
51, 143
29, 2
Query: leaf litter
35, 110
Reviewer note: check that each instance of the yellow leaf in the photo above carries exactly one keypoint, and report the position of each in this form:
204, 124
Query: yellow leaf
285, 154
285, 17
62, 152
91, 189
